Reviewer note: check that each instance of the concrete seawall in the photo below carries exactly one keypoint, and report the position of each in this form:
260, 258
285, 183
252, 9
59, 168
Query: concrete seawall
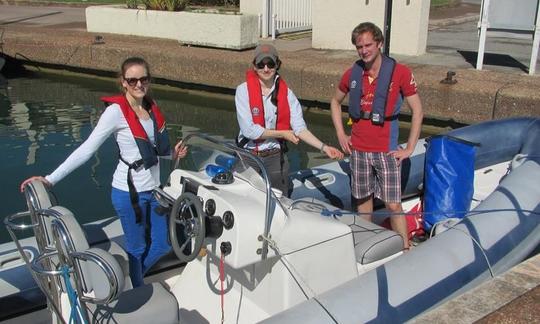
312, 74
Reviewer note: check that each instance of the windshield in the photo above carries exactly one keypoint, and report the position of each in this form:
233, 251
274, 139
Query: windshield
212, 156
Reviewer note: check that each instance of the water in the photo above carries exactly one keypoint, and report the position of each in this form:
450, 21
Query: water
44, 117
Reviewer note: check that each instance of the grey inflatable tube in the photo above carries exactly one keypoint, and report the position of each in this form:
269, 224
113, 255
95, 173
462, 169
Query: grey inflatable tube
498, 234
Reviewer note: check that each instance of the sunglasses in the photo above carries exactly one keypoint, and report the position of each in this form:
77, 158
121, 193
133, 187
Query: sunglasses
271, 64
133, 81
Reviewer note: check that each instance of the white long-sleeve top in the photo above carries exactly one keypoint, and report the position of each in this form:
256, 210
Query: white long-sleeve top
253, 131
112, 121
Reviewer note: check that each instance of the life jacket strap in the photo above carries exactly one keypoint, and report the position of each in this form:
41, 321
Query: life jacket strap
133, 195
368, 115
241, 143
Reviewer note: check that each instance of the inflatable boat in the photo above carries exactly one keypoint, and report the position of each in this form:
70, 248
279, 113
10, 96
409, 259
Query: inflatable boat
245, 253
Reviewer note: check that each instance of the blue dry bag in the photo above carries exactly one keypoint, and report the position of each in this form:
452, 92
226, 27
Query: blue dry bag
448, 179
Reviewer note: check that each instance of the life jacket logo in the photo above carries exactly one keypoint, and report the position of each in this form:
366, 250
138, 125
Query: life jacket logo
353, 84
413, 82
256, 111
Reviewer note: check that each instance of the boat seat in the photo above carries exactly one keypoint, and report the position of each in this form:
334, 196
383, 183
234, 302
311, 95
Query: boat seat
78, 241
371, 241
99, 275
40, 199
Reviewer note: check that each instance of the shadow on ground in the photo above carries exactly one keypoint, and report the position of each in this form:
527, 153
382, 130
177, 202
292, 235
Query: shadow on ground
493, 59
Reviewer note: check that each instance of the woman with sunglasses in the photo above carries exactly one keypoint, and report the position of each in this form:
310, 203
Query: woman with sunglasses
138, 127
269, 115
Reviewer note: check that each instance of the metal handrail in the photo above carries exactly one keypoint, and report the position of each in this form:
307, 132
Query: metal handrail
47, 291
37, 214
247, 154
65, 250
38, 268
300, 201
9, 221
109, 273
34, 207
163, 197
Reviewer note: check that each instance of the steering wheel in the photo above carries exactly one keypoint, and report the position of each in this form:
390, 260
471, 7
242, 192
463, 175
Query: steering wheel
187, 219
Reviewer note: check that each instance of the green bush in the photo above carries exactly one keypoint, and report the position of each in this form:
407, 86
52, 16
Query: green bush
179, 5
168, 5
226, 3
132, 4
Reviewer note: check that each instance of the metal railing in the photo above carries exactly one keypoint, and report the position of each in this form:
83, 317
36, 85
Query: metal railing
13, 223
284, 16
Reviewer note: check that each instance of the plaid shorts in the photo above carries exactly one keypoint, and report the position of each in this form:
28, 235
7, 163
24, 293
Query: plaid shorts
375, 173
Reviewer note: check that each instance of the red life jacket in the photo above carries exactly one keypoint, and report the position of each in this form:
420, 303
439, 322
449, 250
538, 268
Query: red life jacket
256, 102
148, 151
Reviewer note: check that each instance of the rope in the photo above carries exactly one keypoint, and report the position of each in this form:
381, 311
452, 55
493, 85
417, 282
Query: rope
445, 223
76, 314
272, 244
338, 212
221, 279
479, 246
326, 310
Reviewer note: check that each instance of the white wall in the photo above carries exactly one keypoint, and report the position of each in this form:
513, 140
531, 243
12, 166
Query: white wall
234, 31
409, 27
333, 22
253, 7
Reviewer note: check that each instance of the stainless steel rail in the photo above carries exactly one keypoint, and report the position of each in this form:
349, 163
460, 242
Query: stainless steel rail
49, 288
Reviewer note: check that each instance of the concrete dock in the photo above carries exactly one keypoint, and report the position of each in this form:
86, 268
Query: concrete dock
56, 36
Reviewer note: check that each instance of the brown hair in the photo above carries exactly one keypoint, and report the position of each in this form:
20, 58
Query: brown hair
129, 62
367, 27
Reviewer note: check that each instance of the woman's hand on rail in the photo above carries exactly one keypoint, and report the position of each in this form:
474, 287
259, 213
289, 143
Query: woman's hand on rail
180, 150
39, 178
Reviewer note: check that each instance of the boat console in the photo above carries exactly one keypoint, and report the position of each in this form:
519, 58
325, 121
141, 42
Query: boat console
254, 240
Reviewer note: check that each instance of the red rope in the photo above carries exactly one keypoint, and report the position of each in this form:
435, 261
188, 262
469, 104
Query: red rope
221, 279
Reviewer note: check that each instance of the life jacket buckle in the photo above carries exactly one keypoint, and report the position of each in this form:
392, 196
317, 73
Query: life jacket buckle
137, 164
365, 114
376, 119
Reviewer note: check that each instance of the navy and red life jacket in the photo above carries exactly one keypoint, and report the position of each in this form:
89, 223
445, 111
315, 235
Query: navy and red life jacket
149, 152
378, 110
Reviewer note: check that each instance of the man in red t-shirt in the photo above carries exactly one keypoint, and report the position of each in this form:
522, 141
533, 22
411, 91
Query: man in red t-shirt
375, 156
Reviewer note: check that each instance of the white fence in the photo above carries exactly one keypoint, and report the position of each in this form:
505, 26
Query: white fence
283, 16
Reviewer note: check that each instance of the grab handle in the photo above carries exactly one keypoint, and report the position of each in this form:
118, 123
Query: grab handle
9, 221
37, 264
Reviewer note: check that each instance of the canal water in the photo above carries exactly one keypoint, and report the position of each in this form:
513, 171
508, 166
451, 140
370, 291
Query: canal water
45, 116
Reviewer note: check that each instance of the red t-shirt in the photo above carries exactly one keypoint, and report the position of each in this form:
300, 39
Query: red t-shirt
367, 137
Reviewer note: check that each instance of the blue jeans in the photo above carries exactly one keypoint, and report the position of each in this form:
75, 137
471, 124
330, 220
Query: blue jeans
143, 251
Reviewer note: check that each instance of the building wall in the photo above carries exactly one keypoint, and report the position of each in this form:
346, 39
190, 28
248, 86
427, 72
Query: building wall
409, 27
253, 7
333, 22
